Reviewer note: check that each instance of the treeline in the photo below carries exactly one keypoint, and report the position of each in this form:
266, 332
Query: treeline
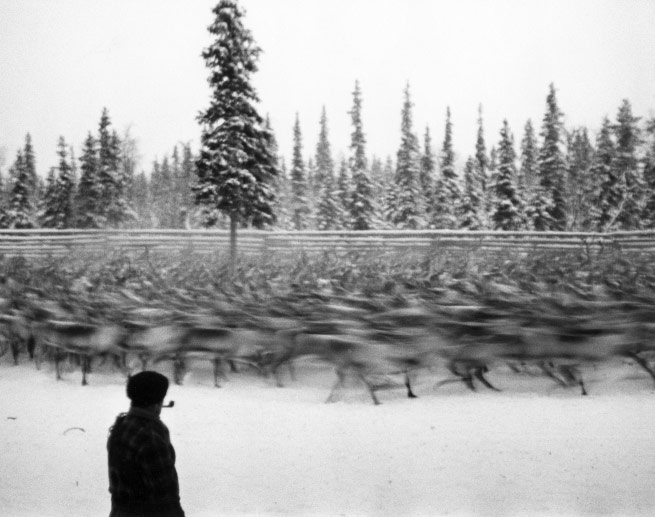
101, 189
557, 179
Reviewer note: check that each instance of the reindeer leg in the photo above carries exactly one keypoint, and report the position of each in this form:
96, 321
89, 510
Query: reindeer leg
573, 376
85, 364
548, 368
368, 385
642, 362
31, 345
217, 362
408, 385
179, 367
479, 374
340, 380
15, 350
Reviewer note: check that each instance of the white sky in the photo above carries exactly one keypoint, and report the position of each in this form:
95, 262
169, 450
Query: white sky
62, 61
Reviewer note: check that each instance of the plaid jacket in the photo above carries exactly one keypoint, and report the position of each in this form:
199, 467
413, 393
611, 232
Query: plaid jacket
142, 463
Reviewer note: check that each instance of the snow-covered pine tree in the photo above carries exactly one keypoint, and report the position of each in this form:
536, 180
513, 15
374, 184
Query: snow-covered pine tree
626, 165
19, 214
406, 207
362, 208
46, 214
607, 190
648, 213
327, 213
58, 207
482, 171
112, 209
552, 165
578, 188
324, 162
88, 192
29, 161
428, 172
236, 168
299, 189
506, 213
472, 199
529, 170
447, 193
344, 194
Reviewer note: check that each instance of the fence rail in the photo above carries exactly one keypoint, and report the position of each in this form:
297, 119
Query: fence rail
34, 243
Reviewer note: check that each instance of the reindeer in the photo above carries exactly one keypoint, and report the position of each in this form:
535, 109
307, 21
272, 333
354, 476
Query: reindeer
154, 342
222, 345
82, 340
370, 357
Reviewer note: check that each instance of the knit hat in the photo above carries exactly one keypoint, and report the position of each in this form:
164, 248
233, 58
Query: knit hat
147, 388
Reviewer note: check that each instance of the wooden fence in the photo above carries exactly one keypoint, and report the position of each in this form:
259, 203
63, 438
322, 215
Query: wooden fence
34, 243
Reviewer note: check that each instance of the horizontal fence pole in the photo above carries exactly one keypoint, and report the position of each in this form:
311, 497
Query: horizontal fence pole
41, 242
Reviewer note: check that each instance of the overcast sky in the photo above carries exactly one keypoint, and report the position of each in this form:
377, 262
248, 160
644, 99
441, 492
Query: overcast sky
62, 61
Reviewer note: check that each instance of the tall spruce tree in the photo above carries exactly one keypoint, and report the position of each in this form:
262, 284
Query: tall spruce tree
578, 182
606, 192
626, 165
32, 176
447, 194
327, 213
323, 157
58, 210
299, 188
406, 207
112, 209
427, 174
552, 165
529, 167
88, 192
236, 167
506, 213
472, 199
482, 170
344, 194
20, 213
361, 206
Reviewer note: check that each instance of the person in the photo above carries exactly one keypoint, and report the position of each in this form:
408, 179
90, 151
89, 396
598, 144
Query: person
143, 480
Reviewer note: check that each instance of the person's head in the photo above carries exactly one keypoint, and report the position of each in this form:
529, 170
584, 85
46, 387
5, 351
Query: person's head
147, 390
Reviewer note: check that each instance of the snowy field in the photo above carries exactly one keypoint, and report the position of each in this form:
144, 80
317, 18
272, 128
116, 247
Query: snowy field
250, 448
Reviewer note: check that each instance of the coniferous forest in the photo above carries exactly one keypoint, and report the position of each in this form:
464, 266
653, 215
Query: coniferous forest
543, 176
564, 179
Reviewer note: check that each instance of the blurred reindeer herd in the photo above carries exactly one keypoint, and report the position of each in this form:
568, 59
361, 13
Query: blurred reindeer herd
380, 325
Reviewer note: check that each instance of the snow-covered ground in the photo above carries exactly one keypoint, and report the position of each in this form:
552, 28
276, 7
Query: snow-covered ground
250, 448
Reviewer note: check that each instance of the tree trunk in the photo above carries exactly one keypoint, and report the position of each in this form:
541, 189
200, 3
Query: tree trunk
233, 241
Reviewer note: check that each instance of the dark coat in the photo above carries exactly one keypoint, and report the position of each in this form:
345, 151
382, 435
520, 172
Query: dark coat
142, 477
